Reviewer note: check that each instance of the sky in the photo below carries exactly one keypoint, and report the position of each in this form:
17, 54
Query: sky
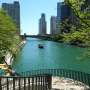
30, 13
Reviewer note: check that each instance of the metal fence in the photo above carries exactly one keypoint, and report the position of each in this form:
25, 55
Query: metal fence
40, 82
40, 79
76, 75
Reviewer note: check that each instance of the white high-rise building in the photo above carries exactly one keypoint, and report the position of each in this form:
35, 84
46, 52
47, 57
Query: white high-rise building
42, 25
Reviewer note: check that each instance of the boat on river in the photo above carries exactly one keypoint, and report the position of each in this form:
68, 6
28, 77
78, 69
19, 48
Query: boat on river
40, 46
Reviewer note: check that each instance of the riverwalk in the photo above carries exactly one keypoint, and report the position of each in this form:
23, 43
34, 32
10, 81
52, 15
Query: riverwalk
9, 57
40, 83
62, 83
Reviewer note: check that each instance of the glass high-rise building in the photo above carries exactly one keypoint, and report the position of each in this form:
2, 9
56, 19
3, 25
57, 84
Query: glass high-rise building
13, 10
63, 12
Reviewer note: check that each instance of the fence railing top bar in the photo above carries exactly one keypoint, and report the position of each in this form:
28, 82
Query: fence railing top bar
65, 70
42, 73
32, 76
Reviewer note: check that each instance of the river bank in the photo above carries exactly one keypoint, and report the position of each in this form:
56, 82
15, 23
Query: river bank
9, 57
76, 43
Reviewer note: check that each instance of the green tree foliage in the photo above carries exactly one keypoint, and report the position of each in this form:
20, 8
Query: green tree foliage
81, 9
8, 37
78, 33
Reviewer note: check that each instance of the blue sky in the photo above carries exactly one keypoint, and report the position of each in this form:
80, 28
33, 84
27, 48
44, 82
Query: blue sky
31, 11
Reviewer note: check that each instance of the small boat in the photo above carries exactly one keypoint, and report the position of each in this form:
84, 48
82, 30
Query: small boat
40, 46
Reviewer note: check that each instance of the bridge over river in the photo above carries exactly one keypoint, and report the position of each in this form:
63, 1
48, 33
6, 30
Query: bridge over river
47, 36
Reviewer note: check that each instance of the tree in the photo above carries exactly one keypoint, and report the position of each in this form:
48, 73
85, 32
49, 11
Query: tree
8, 36
81, 11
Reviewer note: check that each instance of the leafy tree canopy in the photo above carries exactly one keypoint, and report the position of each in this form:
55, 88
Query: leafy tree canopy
8, 36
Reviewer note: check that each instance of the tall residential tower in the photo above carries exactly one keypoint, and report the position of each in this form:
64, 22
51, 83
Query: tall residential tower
53, 25
42, 25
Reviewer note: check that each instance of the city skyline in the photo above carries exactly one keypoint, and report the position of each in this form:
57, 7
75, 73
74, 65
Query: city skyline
29, 20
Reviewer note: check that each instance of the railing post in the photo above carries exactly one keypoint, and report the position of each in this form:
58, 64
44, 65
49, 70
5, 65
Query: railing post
36, 83
43, 82
13, 83
49, 81
0, 84
32, 83
28, 83
7, 84
24, 83
19, 83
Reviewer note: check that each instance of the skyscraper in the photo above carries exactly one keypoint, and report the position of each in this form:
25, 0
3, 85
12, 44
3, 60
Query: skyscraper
42, 25
58, 18
59, 10
13, 10
53, 25
63, 12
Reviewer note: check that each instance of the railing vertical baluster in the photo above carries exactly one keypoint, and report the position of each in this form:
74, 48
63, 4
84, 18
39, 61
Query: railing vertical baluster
19, 83
13, 83
88, 79
83, 78
46, 83
24, 83
61, 74
67, 74
73, 75
36, 82
88, 76
28, 83
49, 81
77, 75
32, 83
7, 84
80, 76
0, 83
41, 83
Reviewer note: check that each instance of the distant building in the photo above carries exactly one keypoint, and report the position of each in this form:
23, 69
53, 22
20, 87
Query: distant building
58, 18
59, 10
13, 10
63, 12
53, 25
42, 25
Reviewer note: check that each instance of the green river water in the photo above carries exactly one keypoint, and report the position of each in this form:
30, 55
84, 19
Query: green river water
53, 56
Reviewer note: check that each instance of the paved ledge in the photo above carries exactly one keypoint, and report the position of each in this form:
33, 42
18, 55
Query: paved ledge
61, 83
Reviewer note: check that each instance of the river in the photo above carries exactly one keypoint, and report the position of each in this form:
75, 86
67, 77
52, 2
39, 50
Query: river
54, 55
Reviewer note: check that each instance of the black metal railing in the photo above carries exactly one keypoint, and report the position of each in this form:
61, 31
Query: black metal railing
40, 79
40, 82
76, 75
